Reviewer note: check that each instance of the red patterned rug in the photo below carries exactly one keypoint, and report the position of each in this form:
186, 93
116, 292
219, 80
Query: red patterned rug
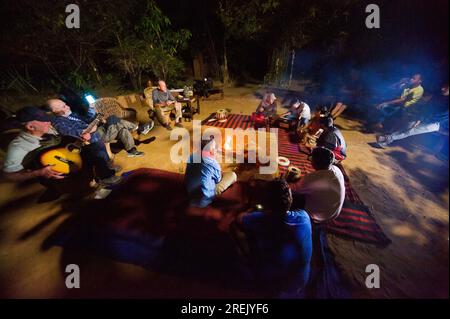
355, 221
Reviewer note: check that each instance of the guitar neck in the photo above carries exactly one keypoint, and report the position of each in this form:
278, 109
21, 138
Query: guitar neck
92, 124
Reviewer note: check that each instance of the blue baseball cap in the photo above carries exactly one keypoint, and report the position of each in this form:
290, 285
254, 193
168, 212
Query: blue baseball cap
32, 113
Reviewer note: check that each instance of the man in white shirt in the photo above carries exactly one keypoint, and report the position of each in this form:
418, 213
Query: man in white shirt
17, 167
298, 111
321, 193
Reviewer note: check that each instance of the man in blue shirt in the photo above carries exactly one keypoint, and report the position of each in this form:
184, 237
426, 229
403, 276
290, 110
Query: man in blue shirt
163, 99
94, 154
279, 243
204, 180
72, 124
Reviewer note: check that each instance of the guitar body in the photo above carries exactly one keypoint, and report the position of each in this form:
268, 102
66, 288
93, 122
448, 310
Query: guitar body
63, 159
66, 158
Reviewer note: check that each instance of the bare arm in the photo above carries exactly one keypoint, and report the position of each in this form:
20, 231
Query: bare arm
393, 102
396, 101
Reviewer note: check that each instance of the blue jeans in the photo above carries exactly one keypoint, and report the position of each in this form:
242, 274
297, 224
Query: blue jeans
303, 121
419, 129
388, 111
95, 155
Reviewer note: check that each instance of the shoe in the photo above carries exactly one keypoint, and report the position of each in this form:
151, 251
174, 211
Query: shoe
178, 124
109, 181
115, 168
135, 153
168, 127
102, 193
149, 140
384, 141
146, 128
381, 144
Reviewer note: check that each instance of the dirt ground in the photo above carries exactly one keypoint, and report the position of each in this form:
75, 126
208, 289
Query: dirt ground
406, 187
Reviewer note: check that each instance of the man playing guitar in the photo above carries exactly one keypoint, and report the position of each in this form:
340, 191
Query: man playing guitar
115, 128
17, 166
94, 154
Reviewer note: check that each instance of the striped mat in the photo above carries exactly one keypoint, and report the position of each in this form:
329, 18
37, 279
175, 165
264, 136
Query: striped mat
355, 221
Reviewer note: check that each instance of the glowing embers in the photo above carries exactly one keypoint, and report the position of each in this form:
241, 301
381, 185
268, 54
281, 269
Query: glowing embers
233, 145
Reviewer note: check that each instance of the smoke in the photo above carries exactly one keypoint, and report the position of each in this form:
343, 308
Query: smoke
360, 84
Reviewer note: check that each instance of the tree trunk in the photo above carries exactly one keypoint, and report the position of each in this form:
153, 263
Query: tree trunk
53, 72
140, 80
225, 74
292, 67
212, 50
95, 70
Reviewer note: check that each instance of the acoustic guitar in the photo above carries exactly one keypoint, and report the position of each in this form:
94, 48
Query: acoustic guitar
65, 158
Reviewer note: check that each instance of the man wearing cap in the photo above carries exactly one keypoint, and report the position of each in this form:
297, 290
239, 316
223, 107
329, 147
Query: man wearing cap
266, 111
35, 125
268, 106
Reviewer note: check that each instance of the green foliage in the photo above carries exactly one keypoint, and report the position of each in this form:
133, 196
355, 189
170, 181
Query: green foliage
121, 32
81, 80
246, 19
151, 48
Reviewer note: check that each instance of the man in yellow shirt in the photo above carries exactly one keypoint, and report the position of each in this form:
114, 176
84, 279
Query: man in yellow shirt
410, 95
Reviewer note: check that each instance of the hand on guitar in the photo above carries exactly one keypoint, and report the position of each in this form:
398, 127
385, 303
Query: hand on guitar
86, 137
48, 172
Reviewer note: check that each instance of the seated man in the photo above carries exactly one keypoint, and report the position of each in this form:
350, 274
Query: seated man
20, 164
435, 122
94, 153
410, 95
204, 180
153, 111
266, 109
321, 193
162, 98
332, 139
279, 242
115, 127
313, 124
299, 111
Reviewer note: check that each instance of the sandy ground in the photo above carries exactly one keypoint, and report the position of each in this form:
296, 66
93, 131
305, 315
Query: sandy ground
406, 188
